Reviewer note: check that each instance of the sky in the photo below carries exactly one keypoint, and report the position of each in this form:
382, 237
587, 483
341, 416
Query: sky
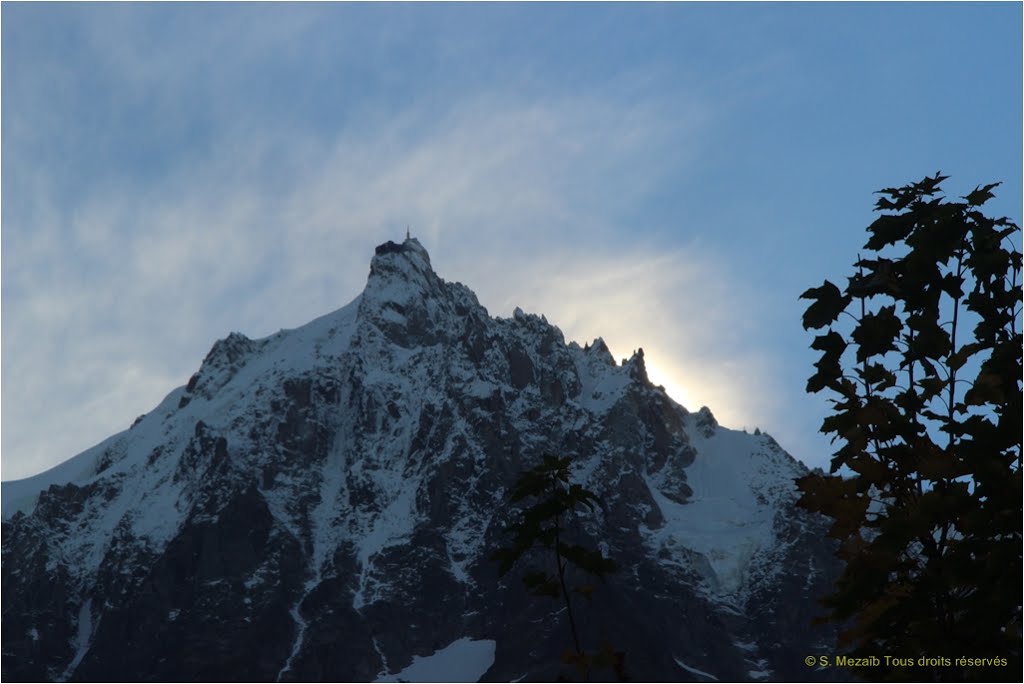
666, 176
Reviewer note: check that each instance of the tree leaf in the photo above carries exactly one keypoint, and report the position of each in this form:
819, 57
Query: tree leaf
981, 195
877, 333
828, 303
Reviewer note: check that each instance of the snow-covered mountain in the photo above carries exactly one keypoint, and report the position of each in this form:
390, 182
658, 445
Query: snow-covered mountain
321, 504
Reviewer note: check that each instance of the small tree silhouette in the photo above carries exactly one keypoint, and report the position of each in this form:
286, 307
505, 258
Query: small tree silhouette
543, 525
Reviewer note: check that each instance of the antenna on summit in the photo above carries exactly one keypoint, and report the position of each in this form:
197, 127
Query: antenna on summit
406, 231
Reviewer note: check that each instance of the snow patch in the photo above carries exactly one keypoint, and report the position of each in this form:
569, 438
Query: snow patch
300, 635
693, 670
81, 641
463, 660
748, 646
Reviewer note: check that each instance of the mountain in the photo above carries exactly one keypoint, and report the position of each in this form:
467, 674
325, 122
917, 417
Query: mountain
321, 504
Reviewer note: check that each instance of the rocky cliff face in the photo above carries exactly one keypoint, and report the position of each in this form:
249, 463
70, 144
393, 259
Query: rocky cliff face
320, 504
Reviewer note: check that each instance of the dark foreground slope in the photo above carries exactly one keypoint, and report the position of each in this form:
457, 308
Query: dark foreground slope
320, 505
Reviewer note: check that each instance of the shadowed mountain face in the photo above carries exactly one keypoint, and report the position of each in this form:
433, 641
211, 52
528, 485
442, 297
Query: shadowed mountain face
321, 503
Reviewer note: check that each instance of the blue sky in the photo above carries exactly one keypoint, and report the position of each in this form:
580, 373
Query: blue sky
670, 176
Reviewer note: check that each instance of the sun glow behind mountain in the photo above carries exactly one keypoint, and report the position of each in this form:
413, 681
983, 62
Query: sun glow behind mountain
670, 380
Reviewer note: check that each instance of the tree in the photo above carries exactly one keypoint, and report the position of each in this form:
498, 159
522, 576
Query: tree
544, 525
921, 357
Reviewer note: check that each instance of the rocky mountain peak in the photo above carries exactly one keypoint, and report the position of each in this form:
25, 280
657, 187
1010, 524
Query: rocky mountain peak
409, 303
636, 366
321, 504
401, 269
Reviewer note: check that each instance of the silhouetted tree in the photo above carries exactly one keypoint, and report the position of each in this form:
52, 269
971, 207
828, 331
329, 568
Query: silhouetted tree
921, 354
543, 525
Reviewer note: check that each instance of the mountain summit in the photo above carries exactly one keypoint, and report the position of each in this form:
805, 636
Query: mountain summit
320, 504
